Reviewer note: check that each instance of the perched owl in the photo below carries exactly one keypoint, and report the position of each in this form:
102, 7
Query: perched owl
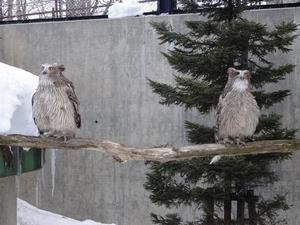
55, 106
237, 112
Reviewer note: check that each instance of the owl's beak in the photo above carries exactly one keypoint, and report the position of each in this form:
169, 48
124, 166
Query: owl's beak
242, 75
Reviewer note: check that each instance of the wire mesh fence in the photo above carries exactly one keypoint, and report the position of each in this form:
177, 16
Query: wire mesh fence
43, 9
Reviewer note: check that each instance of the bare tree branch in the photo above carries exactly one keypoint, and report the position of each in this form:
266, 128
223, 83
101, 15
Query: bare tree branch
109, 3
123, 153
94, 7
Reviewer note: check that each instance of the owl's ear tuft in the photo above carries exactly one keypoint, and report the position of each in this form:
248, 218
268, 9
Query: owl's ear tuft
61, 67
248, 75
230, 70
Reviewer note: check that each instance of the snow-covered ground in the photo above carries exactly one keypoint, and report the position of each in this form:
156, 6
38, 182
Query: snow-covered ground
30, 215
125, 8
17, 87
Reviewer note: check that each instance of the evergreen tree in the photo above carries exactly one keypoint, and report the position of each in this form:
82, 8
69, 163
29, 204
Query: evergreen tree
201, 58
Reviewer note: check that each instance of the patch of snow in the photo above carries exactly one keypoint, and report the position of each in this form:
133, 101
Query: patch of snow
30, 215
17, 87
149, 7
125, 8
215, 159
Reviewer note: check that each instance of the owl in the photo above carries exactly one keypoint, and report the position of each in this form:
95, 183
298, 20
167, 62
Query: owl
55, 106
237, 112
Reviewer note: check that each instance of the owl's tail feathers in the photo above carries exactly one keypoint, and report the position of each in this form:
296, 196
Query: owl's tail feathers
215, 159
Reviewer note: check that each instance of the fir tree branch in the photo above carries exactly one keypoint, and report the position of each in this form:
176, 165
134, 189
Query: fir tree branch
199, 134
189, 93
266, 100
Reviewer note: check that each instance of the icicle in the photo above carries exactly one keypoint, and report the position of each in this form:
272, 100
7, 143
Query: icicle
37, 191
53, 157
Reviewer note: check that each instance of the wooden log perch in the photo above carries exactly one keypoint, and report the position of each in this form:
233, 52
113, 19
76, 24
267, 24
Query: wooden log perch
123, 153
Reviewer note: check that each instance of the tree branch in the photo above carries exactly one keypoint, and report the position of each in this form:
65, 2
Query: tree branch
123, 153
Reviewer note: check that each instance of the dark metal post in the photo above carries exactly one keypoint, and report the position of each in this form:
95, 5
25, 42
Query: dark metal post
56, 8
166, 6
241, 198
252, 199
227, 201
240, 212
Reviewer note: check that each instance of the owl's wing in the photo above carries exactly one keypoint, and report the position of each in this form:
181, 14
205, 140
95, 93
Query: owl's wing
74, 100
217, 118
32, 103
70, 91
219, 108
34, 119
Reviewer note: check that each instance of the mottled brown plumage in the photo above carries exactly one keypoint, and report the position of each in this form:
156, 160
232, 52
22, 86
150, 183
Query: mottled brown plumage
55, 104
237, 112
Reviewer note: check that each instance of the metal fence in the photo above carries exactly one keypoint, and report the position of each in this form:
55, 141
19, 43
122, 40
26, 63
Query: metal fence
16, 10
45, 9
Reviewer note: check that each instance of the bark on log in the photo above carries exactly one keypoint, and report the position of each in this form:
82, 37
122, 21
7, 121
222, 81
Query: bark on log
123, 153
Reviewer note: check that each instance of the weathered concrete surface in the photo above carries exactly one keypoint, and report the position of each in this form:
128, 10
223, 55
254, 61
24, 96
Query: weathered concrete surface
109, 61
8, 201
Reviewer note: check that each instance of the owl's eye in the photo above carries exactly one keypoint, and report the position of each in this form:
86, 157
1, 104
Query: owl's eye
50, 68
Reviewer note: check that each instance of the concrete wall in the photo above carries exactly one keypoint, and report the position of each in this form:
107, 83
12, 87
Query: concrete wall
8, 201
109, 61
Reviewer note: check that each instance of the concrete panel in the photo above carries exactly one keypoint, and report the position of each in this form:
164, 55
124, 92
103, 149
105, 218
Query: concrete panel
109, 61
8, 201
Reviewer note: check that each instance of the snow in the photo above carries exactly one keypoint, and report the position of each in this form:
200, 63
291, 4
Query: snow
149, 7
16, 89
215, 159
30, 215
125, 8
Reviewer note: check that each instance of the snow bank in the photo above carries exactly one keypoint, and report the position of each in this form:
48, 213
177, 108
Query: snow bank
30, 215
125, 8
16, 89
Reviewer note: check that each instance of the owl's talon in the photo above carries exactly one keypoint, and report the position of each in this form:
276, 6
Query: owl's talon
48, 134
66, 139
250, 139
240, 142
226, 141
